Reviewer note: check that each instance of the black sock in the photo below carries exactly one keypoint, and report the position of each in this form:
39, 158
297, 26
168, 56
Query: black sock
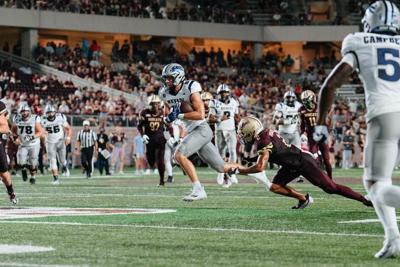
10, 189
55, 177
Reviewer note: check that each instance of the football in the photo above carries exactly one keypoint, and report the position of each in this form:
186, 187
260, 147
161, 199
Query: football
186, 107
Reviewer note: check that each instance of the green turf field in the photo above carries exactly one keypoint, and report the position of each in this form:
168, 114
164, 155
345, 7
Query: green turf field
241, 226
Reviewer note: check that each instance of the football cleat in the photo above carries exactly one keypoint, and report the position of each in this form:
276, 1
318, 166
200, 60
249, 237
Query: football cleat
24, 175
32, 180
304, 203
391, 249
196, 195
56, 182
13, 199
233, 179
220, 178
300, 180
227, 183
170, 179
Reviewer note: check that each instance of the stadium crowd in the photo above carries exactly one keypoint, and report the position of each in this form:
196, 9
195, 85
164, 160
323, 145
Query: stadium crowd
258, 86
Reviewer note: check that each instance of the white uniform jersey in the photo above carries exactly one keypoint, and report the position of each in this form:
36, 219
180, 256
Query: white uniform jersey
26, 129
54, 128
189, 87
290, 116
377, 59
219, 109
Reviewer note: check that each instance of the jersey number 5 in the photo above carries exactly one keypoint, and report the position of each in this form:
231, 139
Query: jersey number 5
394, 62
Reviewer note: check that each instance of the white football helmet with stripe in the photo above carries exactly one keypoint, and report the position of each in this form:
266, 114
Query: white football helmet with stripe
381, 17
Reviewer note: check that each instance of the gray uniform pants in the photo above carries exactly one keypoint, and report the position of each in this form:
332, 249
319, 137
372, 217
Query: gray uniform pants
291, 138
28, 155
226, 140
199, 141
56, 151
382, 148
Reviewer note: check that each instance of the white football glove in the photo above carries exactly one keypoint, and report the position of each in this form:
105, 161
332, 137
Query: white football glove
321, 134
145, 139
171, 142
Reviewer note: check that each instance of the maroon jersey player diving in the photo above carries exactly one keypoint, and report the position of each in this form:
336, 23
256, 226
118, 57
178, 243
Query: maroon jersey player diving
293, 161
151, 129
308, 117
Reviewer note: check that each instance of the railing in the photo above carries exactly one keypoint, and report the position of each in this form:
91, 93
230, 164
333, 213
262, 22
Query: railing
63, 76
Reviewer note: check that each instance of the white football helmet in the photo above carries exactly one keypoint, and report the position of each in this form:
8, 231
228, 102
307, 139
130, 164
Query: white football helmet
25, 111
223, 88
174, 70
381, 16
206, 96
50, 112
289, 97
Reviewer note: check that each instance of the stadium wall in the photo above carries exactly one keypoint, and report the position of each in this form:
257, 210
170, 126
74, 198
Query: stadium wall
37, 19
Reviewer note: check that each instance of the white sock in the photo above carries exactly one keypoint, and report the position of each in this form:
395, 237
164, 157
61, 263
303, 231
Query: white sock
197, 185
262, 178
386, 214
390, 195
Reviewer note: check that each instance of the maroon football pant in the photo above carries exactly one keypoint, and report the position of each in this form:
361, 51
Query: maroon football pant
310, 170
324, 157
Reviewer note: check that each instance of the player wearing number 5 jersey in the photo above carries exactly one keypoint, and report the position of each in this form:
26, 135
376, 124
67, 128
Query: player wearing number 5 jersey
29, 131
225, 113
58, 136
375, 54
286, 116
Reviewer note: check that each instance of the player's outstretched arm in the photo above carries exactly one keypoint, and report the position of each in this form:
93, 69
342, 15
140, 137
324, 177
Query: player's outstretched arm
336, 78
260, 165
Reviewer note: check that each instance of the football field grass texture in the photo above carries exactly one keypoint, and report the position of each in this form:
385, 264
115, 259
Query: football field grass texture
244, 225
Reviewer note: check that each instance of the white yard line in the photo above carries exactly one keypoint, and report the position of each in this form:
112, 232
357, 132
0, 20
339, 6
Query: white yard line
363, 221
22, 264
238, 230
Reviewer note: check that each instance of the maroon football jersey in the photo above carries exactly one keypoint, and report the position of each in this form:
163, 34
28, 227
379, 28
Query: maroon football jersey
152, 123
308, 119
280, 153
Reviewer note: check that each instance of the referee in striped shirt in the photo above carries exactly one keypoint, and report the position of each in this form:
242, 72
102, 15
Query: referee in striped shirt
86, 142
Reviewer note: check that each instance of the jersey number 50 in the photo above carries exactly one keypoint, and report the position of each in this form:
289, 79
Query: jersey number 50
383, 61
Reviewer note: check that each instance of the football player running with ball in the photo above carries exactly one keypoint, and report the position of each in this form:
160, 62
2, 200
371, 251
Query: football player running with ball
198, 133
375, 55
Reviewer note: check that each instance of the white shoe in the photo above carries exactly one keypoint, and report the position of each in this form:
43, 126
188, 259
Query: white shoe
56, 182
196, 195
391, 249
227, 183
234, 179
220, 178
121, 173
147, 172
67, 173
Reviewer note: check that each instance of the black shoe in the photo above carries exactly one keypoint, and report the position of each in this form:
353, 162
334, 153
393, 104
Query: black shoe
13, 198
170, 179
32, 180
24, 175
88, 176
300, 180
108, 173
367, 202
161, 184
304, 203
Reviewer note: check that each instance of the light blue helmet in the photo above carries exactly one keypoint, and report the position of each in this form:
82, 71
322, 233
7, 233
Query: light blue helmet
223, 88
174, 70
381, 16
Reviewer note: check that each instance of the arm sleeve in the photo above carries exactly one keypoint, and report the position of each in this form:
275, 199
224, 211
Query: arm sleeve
195, 87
